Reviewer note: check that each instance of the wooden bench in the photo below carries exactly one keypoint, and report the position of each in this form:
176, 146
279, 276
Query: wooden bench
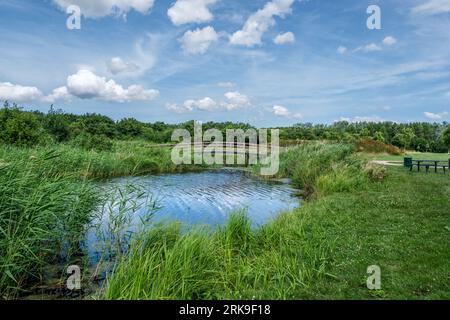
427, 164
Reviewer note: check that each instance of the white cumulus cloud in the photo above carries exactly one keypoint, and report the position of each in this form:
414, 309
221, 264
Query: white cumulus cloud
198, 41
87, 85
191, 11
18, 93
260, 22
102, 8
282, 38
205, 104
176, 108
60, 93
389, 41
236, 100
117, 65
285, 112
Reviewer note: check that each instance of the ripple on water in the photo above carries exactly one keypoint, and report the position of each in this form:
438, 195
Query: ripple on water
209, 197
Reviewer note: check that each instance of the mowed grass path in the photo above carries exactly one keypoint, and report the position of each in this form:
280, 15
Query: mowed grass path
401, 225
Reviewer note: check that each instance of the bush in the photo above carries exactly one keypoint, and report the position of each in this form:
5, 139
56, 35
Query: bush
376, 172
19, 128
371, 146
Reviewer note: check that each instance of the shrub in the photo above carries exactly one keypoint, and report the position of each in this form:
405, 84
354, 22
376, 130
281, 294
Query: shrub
19, 128
376, 172
371, 146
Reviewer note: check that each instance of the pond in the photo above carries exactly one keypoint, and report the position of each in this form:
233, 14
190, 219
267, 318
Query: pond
200, 198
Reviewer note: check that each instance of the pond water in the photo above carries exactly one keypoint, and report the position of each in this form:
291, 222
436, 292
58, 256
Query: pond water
201, 198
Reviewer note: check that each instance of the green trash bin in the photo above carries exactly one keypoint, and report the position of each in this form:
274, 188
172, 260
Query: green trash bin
407, 162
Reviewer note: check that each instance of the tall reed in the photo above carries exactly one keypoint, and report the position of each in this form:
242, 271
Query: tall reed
42, 217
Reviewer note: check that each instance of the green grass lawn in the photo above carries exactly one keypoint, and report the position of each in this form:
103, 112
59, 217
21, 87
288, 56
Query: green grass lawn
401, 225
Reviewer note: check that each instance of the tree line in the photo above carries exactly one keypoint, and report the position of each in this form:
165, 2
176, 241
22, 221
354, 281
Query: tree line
95, 131
418, 136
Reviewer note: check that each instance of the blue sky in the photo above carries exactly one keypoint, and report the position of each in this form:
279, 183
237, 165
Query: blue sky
267, 62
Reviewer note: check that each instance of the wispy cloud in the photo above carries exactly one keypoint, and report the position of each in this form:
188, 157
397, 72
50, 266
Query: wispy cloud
432, 7
436, 116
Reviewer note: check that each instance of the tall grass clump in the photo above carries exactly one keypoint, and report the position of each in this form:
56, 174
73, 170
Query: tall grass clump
341, 178
124, 159
230, 262
307, 163
42, 216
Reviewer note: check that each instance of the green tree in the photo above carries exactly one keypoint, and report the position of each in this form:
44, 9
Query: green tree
19, 127
94, 124
129, 128
57, 124
446, 138
379, 137
399, 140
409, 137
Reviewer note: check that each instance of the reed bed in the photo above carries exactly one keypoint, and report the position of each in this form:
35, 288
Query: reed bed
279, 260
42, 216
